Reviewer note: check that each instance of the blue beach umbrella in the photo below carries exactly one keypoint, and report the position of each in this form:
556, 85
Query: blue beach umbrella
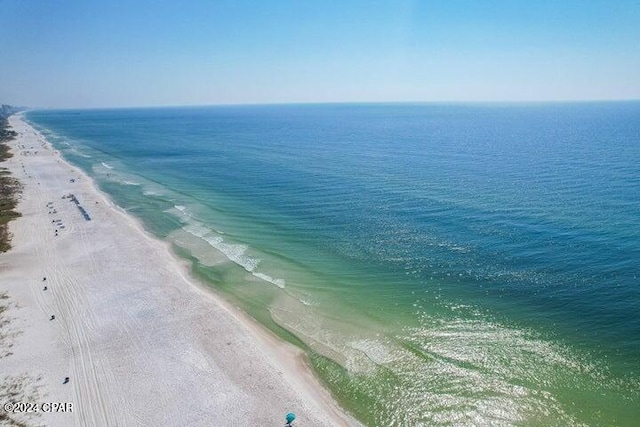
290, 417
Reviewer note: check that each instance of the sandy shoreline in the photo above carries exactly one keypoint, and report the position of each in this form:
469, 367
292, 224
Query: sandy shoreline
141, 342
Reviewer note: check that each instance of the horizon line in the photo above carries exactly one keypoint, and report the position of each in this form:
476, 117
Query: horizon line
250, 104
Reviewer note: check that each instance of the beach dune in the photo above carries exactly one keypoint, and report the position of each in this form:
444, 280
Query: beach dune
135, 340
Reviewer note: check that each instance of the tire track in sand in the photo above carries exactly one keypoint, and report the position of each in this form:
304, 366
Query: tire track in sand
67, 300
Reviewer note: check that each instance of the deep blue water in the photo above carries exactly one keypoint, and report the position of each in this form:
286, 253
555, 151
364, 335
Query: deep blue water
501, 241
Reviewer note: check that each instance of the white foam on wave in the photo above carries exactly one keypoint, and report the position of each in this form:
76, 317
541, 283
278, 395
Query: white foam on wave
78, 152
278, 282
235, 252
305, 302
181, 212
106, 165
125, 182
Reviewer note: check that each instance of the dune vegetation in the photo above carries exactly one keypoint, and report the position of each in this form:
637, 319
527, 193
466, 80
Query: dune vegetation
9, 187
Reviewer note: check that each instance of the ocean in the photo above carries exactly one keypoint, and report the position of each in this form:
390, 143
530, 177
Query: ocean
440, 264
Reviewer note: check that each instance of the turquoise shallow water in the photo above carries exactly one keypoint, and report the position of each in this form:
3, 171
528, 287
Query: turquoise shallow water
441, 264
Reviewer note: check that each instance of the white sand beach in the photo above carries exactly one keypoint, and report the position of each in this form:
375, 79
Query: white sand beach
143, 343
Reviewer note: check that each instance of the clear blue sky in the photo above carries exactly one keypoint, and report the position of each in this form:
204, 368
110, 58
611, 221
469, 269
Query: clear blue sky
86, 53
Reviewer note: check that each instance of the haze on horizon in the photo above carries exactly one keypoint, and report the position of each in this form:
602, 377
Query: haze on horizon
87, 53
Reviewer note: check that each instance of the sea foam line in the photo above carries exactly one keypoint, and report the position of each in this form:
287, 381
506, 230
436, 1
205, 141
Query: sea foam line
278, 282
234, 252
